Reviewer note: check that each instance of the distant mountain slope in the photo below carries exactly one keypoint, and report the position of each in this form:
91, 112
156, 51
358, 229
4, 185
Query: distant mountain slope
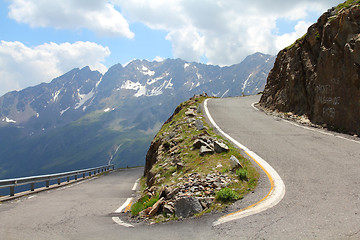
83, 118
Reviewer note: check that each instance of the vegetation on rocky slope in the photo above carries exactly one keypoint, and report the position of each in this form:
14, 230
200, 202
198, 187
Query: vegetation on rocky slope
346, 4
192, 169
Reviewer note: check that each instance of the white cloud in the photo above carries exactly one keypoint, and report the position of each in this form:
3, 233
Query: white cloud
289, 38
225, 32
22, 66
99, 16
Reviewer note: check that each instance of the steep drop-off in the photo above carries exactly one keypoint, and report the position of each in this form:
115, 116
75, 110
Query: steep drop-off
319, 75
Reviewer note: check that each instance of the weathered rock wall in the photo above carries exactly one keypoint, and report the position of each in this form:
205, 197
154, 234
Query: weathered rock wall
319, 75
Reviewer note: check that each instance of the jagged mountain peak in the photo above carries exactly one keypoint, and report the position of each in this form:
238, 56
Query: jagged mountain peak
84, 116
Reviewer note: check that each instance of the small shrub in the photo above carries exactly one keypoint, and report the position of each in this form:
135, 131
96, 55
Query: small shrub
136, 208
226, 195
242, 174
151, 201
143, 203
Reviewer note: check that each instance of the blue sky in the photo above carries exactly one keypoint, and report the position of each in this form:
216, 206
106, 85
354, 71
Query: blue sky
42, 39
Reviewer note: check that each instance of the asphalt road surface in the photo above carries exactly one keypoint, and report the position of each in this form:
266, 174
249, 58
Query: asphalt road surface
321, 173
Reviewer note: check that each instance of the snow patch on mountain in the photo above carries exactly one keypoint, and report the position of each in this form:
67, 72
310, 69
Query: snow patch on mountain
136, 86
8, 120
141, 91
186, 65
154, 80
109, 109
147, 71
97, 84
63, 111
56, 94
129, 85
83, 98
169, 84
245, 83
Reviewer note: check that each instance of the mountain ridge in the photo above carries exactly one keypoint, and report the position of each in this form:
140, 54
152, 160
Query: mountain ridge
121, 109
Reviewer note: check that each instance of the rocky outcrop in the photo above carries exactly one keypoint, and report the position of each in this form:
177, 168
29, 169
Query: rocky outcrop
187, 164
319, 75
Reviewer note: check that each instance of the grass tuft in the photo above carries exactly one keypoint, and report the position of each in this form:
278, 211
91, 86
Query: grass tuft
226, 195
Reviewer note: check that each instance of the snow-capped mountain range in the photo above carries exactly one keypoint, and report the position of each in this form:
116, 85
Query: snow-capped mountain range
135, 98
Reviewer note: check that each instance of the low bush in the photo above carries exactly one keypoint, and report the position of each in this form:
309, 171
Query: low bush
143, 203
242, 174
226, 195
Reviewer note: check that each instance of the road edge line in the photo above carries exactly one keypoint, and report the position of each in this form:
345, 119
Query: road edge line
277, 190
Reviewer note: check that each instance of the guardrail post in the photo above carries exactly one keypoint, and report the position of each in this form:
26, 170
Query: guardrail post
76, 177
32, 186
12, 191
89, 174
59, 181
47, 183
83, 175
68, 179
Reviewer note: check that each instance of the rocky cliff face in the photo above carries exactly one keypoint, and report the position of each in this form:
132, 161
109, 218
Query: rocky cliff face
319, 75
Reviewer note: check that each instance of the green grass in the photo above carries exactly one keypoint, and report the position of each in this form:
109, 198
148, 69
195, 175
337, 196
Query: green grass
227, 195
299, 39
242, 174
346, 4
143, 203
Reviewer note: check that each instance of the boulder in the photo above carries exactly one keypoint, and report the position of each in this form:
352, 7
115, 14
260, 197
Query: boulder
199, 125
172, 193
220, 147
205, 150
234, 163
155, 208
198, 143
168, 209
187, 207
179, 165
190, 113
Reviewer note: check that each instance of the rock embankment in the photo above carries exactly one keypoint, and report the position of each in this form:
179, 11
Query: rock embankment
187, 165
318, 77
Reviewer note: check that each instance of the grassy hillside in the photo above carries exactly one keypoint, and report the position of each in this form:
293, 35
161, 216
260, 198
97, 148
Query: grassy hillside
89, 142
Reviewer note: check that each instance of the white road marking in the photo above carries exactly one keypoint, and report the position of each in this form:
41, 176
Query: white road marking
320, 131
120, 222
135, 184
122, 207
253, 105
127, 202
276, 193
312, 129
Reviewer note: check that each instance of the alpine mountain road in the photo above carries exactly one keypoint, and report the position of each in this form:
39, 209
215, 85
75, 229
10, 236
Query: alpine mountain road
320, 169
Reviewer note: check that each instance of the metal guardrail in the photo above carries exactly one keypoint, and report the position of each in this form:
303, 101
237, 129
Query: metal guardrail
12, 183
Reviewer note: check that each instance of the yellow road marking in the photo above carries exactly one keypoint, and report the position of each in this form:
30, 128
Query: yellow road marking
128, 207
263, 199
